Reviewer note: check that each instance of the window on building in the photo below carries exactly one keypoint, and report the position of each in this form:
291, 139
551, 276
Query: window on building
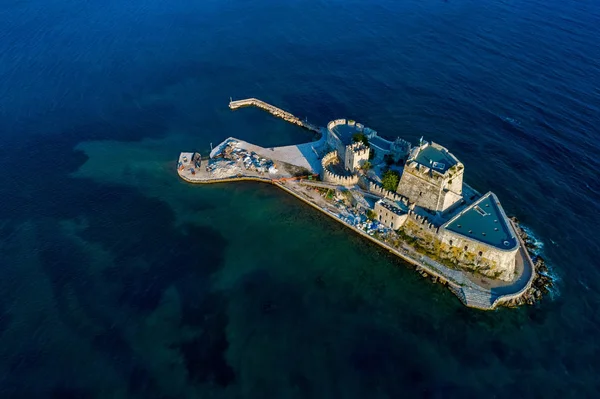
466, 248
480, 253
379, 217
450, 242
392, 225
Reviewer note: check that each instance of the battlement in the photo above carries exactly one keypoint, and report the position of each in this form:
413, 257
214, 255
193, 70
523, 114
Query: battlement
328, 158
357, 146
359, 149
433, 159
432, 177
328, 176
335, 123
382, 192
355, 156
423, 222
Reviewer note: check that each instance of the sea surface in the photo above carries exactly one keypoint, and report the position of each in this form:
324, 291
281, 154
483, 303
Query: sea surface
118, 280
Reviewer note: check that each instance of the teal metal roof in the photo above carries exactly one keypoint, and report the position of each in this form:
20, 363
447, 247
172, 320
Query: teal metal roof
484, 221
435, 159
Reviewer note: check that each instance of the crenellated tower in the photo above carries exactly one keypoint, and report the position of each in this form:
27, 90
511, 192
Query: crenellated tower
432, 178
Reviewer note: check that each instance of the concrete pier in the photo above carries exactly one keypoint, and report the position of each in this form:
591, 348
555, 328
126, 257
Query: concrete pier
273, 110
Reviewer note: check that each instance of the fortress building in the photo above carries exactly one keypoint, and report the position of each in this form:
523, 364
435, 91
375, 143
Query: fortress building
390, 214
339, 138
483, 236
356, 156
432, 178
480, 236
353, 155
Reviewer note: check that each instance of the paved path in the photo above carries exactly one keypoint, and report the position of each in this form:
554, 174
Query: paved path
301, 155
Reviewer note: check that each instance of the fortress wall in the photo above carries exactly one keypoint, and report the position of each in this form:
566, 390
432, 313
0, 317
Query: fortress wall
492, 261
497, 260
423, 223
328, 158
370, 133
455, 182
339, 180
333, 141
382, 192
329, 177
450, 199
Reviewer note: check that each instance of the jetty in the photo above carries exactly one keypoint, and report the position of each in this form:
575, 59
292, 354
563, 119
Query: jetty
275, 111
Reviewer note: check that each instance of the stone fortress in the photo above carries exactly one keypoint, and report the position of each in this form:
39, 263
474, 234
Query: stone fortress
353, 155
470, 231
409, 200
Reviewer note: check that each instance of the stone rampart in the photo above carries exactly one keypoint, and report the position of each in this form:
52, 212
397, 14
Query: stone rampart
330, 157
500, 263
382, 192
330, 177
340, 180
336, 122
333, 141
423, 222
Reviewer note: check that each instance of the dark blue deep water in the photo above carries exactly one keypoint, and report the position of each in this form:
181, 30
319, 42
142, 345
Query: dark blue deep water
118, 280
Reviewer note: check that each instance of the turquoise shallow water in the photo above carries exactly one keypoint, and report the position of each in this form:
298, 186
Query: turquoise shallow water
120, 280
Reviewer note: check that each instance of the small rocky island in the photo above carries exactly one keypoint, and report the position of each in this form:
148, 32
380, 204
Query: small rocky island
411, 200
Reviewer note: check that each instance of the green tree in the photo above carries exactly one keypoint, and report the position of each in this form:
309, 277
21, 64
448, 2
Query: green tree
360, 138
390, 180
367, 165
371, 214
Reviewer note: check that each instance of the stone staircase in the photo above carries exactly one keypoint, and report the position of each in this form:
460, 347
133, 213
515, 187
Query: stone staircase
477, 298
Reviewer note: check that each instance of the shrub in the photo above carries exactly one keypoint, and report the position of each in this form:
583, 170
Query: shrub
390, 180
360, 138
